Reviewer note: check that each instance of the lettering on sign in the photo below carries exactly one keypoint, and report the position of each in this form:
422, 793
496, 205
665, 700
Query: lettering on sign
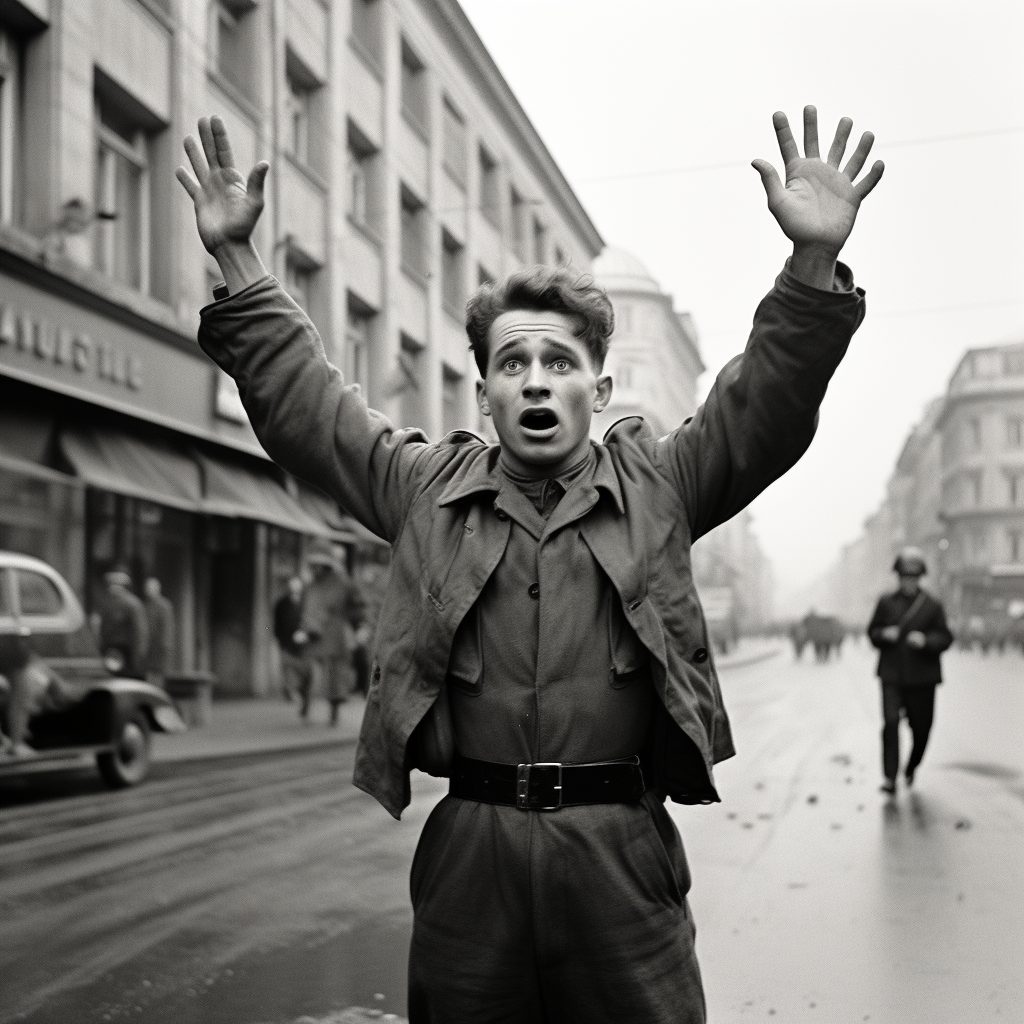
36, 336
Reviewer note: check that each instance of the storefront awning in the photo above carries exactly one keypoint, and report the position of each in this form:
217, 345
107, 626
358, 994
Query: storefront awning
146, 469
343, 527
239, 492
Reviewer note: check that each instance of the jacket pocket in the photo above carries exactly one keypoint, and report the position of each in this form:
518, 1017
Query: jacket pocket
628, 656
466, 661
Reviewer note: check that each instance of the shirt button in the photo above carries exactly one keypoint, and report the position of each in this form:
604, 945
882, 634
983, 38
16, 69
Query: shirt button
534, 590
700, 655
501, 514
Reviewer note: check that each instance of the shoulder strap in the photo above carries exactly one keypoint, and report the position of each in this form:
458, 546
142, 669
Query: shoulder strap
914, 608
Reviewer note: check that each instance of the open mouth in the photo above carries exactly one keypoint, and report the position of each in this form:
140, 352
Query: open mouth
538, 420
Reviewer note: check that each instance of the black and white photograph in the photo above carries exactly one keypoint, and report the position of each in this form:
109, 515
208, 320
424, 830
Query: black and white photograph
511, 512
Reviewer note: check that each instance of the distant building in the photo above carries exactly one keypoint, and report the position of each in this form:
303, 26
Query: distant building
957, 492
654, 361
403, 173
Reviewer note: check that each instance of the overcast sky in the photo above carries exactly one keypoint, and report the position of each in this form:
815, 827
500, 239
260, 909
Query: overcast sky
629, 92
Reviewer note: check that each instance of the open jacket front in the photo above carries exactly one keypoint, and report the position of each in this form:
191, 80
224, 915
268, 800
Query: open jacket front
434, 503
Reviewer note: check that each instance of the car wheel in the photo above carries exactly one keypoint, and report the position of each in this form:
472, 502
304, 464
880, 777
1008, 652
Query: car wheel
128, 763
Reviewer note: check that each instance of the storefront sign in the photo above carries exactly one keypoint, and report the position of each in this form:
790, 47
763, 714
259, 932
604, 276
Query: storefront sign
39, 337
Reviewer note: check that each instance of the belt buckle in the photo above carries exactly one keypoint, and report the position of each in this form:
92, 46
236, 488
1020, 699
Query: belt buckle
524, 778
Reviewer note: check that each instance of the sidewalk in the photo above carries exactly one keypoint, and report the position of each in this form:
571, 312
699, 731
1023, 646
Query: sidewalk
260, 724
750, 650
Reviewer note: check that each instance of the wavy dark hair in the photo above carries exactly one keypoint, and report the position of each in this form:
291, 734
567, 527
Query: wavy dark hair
544, 290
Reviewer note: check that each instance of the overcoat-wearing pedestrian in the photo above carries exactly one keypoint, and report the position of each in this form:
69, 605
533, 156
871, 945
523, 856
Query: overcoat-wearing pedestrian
436, 504
899, 664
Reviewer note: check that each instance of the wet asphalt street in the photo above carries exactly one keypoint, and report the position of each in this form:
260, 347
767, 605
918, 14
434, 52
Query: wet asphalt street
266, 889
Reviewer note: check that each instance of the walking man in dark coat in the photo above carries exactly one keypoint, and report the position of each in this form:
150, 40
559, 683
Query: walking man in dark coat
541, 642
292, 638
909, 629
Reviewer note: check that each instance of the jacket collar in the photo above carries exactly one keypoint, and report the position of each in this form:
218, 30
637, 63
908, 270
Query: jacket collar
483, 474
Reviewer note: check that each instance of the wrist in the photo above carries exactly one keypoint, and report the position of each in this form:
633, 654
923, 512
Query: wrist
814, 265
240, 264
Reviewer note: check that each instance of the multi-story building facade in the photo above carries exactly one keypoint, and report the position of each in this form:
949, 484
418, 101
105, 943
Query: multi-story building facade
957, 492
403, 173
982, 497
655, 364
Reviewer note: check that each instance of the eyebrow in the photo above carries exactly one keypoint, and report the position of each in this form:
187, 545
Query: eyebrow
518, 339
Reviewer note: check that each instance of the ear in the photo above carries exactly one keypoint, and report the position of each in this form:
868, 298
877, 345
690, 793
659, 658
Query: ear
604, 393
481, 398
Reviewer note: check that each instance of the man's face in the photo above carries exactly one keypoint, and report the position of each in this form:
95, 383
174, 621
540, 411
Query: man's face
541, 390
909, 584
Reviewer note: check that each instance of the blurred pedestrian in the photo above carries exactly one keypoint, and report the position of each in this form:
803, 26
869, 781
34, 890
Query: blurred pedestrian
160, 619
124, 627
909, 629
332, 614
292, 638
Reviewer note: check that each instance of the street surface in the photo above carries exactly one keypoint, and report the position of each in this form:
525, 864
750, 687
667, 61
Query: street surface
262, 889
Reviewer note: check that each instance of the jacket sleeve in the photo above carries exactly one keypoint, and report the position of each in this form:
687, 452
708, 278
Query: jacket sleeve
305, 416
878, 622
761, 413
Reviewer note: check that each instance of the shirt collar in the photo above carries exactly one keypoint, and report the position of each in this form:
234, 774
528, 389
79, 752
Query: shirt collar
484, 474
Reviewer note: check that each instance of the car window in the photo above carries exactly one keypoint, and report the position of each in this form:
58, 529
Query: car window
38, 594
6, 611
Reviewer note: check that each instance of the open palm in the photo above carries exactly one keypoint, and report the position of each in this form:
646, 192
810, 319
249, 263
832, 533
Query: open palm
818, 205
227, 205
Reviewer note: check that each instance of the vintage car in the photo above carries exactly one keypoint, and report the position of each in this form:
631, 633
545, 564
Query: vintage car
54, 681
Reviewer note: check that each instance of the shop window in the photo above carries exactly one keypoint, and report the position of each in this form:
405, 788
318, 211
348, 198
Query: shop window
451, 400
10, 125
453, 142
231, 32
367, 28
300, 280
452, 290
414, 88
124, 189
490, 202
414, 218
518, 213
363, 184
359, 341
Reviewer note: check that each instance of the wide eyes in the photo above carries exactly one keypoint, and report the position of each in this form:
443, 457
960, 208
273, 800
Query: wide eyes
515, 365
560, 364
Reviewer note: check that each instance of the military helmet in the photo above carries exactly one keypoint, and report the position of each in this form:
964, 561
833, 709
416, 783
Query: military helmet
910, 562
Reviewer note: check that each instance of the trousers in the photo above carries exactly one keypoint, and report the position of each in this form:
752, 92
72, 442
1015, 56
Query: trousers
919, 704
532, 917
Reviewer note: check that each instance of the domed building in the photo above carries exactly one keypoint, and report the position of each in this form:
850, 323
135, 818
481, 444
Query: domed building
653, 359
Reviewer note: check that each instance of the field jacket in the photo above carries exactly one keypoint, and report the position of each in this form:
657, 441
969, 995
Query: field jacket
434, 503
898, 662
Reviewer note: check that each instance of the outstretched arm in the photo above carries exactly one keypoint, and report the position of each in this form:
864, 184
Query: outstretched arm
818, 205
227, 205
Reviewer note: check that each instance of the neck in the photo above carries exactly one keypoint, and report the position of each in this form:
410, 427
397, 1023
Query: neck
516, 469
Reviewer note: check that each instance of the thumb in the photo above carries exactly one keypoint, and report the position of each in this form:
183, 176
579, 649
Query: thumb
770, 179
254, 185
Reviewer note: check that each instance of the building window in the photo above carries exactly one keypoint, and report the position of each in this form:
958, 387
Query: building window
411, 365
451, 400
122, 200
359, 339
540, 245
362, 185
300, 280
231, 42
974, 489
10, 125
1013, 363
1015, 488
978, 546
301, 128
414, 217
974, 434
1015, 544
452, 289
453, 142
518, 208
1015, 431
414, 88
490, 202
367, 28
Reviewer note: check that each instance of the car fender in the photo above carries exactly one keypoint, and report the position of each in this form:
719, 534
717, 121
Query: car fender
130, 695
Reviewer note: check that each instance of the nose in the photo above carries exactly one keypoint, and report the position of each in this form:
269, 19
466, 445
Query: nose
536, 384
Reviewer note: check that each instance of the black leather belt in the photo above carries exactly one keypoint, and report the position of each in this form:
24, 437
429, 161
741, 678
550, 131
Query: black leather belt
547, 786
